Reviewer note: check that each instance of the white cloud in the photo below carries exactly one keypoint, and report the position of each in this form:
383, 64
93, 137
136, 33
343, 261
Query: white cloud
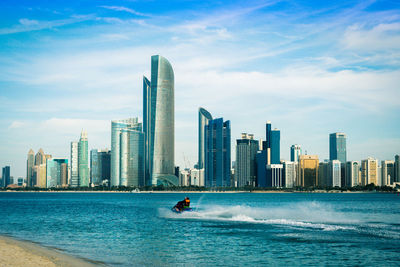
126, 9
16, 124
28, 22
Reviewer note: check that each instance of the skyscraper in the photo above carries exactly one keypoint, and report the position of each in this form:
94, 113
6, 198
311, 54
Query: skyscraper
334, 173
397, 169
6, 176
56, 172
204, 118
218, 153
337, 147
387, 172
83, 160
352, 171
40, 157
369, 171
29, 167
158, 123
272, 144
308, 170
74, 164
290, 173
295, 152
127, 153
245, 168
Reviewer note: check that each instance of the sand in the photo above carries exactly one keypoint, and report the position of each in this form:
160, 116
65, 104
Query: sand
23, 253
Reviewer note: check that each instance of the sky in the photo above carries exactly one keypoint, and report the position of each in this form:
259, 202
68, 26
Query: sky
310, 67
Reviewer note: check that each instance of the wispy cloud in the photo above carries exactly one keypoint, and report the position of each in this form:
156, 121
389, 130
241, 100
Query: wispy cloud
126, 9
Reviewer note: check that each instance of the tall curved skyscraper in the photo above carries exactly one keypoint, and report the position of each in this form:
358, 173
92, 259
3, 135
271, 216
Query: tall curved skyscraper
204, 118
158, 120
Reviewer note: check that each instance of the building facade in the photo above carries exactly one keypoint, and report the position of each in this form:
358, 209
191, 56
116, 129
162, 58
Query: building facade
83, 160
56, 172
5, 176
245, 166
218, 153
352, 173
204, 118
295, 152
159, 123
290, 173
74, 165
334, 179
387, 170
127, 153
308, 171
369, 171
29, 168
337, 147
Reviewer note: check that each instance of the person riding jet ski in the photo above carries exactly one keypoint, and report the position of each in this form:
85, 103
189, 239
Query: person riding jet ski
182, 205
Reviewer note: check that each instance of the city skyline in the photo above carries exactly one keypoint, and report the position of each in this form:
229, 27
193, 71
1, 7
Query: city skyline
311, 73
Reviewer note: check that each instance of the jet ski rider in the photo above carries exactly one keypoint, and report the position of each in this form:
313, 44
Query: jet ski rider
181, 205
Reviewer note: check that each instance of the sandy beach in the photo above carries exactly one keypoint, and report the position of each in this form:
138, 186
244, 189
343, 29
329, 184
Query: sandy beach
23, 253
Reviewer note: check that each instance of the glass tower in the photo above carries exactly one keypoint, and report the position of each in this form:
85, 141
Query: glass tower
337, 147
83, 160
245, 168
29, 167
204, 118
218, 153
158, 120
295, 152
74, 164
127, 153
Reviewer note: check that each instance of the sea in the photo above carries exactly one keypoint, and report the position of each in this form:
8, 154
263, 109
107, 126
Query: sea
224, 229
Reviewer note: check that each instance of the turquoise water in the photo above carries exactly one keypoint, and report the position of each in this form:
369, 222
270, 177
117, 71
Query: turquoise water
224, 230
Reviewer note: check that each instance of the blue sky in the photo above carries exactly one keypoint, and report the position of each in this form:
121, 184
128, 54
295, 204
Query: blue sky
311, 67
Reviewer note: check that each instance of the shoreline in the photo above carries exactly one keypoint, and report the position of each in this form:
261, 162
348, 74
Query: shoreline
18, 253
200, 192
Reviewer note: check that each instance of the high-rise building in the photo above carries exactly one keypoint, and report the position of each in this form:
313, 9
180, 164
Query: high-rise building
261, 160
275, 176
83, 160
245, 168
218, 153
56, 172
369, 171
337, 147
158, 123
197, 177
290, 173
352, 173
272, 144
387, 172
308, 170
295, 152
74, 164
100, 161
127, 153
204, 118
40, 157
275, 146
323, 174
334, 178
397, 169
29, 168
5, 178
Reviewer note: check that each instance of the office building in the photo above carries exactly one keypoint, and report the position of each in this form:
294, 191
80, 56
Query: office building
74, 164
158, 123
5, 178
352, 173
204, 118
323, 174
100, 161
197, 177
40, 157
369, 171
295, 152
337, 147
127, 153
29, 168
290, 173
56, 172
387, 171
83, 160
397, 169
272, 144
245, 166
308, 171
334, 178
274, 176
218, 153
261, 161
184, 177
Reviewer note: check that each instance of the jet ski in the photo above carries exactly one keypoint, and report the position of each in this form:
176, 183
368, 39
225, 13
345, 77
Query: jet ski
181, 211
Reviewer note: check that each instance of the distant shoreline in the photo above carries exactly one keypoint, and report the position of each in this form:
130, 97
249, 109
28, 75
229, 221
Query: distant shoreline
197, 192
15, 252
